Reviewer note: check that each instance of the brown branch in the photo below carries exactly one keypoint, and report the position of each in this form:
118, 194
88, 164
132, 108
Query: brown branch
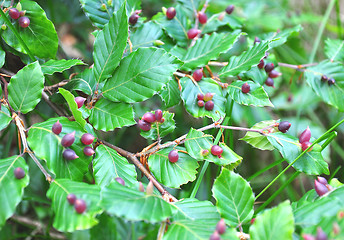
140, 166
38, 225
57, 85
300, 68
52, 105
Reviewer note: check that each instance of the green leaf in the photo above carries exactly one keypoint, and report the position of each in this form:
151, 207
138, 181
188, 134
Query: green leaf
5, 117
51, 150
150, 70
194, 220
275, 223
108, 164
258, 140
53, 66
107, 115
177, 27
165, 128
11, 189
173, 175
214, 22
26, 87
255, 97
311, 211
109, 45
134, 205
333, 95
40, 36
170, 94
2, 57
84, 82
281, 37
196, 141
66, 218
244, 62
189, 96
311, 162
100, 17
208, 48
145, 35
334, 49
234, 198
73, 107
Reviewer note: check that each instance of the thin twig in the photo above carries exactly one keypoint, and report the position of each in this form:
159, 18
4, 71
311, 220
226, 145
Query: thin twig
140, 166
57, 85
21, 130
300, 68
38, 225
52, 105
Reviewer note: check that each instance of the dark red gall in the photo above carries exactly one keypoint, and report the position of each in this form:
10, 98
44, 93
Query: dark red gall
143, 125
24, 22
87, 138
331, 81
120, 180
173, 156
200, 103
80, 206
269, 82
200, 96
245, 88
57, 128
221, 226
324, 78
171, 13
149, 117
14, 13
80, 101
198, 75
322, 180
229, 9
88, 151
216, 150
269, 67
209, 105
133, 19
192, 33
19, 173
305, 145
158, 115
202, 17
305, 136
215, 236
68, 139
320, 188
284, 126
274, 74
69, 154
261, 64
71, 198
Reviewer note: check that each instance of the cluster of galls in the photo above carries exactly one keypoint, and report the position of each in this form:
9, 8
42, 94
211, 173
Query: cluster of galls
330, 81
220, 229
68, 140
321, 235
23, 21
305, 138
201, 16
79, 204
216, 150
148, 118
207, 98
269, 69
321, 186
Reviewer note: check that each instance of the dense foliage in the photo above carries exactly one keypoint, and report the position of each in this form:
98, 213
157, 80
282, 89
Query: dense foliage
187, 124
